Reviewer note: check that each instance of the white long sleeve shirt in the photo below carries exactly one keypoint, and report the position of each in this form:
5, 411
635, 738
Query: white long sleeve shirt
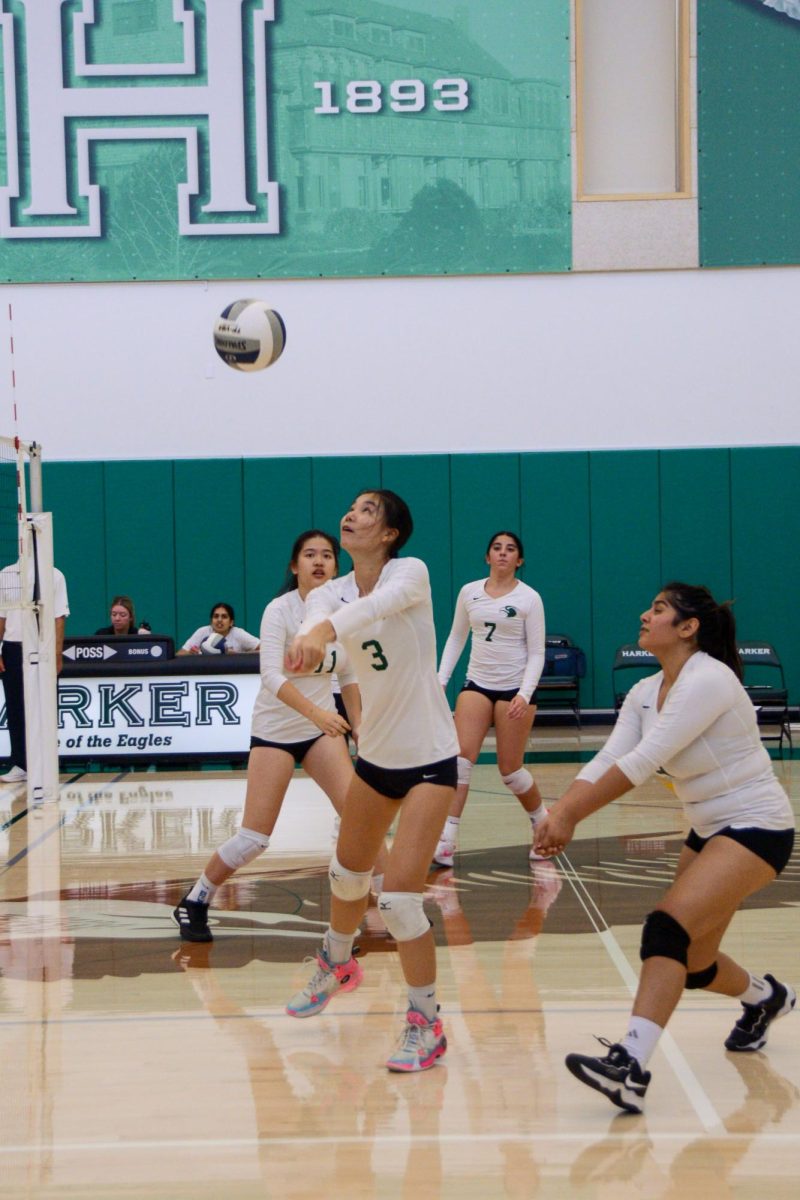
706, 739
11, 592
274, 721
237, 641
507, 649
390, 642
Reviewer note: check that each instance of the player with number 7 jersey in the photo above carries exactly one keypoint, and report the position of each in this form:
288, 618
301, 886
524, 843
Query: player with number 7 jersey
506, 620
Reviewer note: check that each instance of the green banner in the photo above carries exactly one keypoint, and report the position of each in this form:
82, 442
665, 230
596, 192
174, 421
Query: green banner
748, 64
185, 139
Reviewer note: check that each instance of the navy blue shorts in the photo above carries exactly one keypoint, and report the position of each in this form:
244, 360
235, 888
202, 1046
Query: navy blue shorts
298, 750
494, 694
773, 845
398, 783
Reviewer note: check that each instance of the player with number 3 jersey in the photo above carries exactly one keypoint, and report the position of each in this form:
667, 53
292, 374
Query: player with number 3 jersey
383, 616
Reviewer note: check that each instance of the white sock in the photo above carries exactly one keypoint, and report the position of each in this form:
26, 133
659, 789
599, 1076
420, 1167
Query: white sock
757, 990
641, 1039
203, 891
537, 815
450, 831
423, 999
338, 947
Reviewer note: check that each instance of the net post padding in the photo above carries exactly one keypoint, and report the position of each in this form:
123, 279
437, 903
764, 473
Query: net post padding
39, 662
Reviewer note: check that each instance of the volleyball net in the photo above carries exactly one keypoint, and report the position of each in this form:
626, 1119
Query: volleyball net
27, 607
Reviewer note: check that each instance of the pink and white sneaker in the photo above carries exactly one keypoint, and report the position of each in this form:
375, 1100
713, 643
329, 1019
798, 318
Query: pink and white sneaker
420, 1044
443, 854
533, 856
328, 979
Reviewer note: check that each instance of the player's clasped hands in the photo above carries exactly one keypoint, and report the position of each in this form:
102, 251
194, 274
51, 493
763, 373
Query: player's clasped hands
554, 833
307, 650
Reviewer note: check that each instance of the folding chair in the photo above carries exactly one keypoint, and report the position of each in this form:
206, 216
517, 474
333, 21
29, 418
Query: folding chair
765, 684
564, 668
630, 658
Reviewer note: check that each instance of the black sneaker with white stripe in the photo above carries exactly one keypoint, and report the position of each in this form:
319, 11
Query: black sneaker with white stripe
617, 1076
191, 917
750, 1031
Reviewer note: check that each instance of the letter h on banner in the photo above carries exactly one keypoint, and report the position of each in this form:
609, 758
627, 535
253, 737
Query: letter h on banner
53, 106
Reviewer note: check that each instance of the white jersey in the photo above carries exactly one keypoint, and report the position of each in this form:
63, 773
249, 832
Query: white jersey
10, 591
391, 643
237, 641
507, 650
706, 739
274, 721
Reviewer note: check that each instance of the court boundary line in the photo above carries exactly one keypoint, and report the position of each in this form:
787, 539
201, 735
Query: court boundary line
282, 1015
402, 1139
12, 862
693, 1089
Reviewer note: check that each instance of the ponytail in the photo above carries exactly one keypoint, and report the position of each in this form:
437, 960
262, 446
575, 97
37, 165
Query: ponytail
716, 634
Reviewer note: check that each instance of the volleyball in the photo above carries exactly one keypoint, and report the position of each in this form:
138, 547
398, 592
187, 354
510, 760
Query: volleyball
249, 335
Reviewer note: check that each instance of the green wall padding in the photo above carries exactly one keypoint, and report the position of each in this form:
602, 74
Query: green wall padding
626, 566
209, 541
748, 60
276, 507
602, 530
765, 514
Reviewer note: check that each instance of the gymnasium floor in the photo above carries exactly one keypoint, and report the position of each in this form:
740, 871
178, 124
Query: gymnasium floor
136, 1066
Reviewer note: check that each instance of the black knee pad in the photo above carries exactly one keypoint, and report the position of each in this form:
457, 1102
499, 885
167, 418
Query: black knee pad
664, 937
701, 979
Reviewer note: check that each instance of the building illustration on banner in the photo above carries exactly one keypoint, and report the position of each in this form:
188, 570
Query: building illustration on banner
153, 139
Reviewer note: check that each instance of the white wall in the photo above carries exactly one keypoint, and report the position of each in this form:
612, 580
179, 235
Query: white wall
646, 359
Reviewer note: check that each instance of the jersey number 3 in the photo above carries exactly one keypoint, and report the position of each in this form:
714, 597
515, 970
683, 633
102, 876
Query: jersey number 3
381, 662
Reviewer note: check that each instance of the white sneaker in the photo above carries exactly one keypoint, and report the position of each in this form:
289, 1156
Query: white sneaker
533, 856
443, 854
546, 882
15, 775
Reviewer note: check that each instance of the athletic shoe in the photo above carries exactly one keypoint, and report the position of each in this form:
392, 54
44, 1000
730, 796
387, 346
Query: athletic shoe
420, 1044
15, 775
195, 956
533, 856
617, 1076
328, 979
443, 855
444, 892
750, 1031
191, 917
546, 883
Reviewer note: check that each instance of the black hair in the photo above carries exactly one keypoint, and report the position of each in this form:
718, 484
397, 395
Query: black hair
290, 582
716, 634
228, 609
396, 515
506, 533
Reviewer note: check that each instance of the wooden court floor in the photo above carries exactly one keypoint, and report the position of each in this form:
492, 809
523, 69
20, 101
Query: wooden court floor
134, 1065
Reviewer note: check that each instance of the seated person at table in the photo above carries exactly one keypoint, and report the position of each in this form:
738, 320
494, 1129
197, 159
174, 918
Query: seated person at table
221, 636
123, 619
